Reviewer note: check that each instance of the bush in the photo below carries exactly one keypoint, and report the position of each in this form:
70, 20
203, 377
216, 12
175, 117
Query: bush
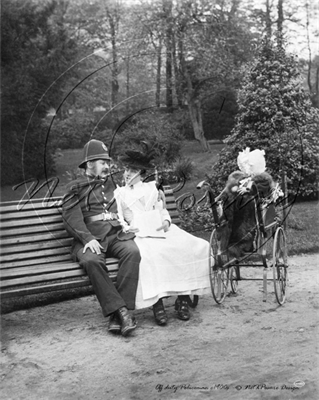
160, 130
76, 130
184, 168
196, 219
180, 171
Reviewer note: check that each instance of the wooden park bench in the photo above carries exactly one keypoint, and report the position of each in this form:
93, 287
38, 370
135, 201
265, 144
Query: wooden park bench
35, 248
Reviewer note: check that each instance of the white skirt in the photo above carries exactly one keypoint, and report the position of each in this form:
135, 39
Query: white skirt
176, 265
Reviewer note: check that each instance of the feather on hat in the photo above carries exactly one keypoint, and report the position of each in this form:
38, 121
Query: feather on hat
139, 159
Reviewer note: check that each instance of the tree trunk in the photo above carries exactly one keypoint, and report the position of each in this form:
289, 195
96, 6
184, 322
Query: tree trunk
115, 85
316, 100
113, 22
127, 82
177, 77
158, 74
268, 20
234, 8
280, 22
167, 7
309, 50
195, 112
169, 85
194, 106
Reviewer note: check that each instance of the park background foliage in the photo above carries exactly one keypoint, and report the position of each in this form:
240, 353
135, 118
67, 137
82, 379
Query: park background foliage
73, 70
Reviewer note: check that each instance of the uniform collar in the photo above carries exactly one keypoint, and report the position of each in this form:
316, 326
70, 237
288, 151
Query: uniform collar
95, 178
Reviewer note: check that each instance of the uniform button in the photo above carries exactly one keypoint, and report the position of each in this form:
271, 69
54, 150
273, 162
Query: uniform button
104, 198
103, 186
104, 204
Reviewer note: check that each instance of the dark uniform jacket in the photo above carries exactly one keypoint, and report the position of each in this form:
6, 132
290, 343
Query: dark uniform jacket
85, 197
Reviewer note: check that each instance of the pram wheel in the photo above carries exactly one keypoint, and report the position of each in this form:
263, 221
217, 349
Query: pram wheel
280, 273
219, 277
234, 277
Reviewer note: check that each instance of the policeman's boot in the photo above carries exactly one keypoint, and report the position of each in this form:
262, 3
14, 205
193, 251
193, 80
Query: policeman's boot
128, 323
115, 323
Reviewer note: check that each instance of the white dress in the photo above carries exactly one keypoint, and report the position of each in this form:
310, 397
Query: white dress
174, 265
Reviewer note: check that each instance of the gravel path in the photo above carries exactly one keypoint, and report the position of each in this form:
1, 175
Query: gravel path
243, 349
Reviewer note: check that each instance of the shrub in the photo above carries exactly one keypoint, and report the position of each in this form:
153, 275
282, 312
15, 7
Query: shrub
184, 168
74, 131
160, 130
180, 171
195, 219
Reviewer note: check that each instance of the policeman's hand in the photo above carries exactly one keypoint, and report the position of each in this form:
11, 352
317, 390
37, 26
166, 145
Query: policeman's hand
94, 246
164, 226
133, 230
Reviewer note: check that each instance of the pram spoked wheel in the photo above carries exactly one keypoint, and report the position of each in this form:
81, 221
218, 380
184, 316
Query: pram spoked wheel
234, 277
219, 276
279, 266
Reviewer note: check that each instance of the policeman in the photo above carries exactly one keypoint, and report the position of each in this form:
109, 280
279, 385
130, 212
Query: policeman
97, 234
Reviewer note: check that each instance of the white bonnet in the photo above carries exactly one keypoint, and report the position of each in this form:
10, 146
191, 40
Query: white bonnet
251, 162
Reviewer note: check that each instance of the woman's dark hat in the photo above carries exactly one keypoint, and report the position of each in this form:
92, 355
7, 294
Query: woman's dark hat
94, 150
138, 159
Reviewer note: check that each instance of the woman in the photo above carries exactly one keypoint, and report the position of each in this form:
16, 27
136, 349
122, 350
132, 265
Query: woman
173, 262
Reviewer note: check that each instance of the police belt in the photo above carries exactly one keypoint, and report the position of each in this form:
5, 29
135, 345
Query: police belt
106, 216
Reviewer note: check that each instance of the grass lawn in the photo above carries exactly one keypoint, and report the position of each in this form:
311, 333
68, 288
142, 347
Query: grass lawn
303, 228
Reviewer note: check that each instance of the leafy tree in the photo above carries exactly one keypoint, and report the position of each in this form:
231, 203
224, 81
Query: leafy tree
199, 48
313, 64
164, 52
275, 114
213, 41
35, 51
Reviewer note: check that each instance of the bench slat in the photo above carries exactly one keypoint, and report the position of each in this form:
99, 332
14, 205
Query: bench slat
32, 229
111, 261
36, 261
49, 260
111, 265
34, 254
55, 244
42, 278
35, 238
30, 205
170, 206
8, 293
31, 221
38, 269
26, 214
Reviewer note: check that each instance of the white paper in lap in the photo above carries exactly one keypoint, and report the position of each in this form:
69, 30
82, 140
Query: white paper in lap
148, 222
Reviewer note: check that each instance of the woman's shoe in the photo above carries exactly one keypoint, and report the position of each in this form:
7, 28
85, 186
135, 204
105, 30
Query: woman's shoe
181, 306
159, 313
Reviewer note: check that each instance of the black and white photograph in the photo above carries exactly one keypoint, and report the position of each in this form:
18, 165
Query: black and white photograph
159, 211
